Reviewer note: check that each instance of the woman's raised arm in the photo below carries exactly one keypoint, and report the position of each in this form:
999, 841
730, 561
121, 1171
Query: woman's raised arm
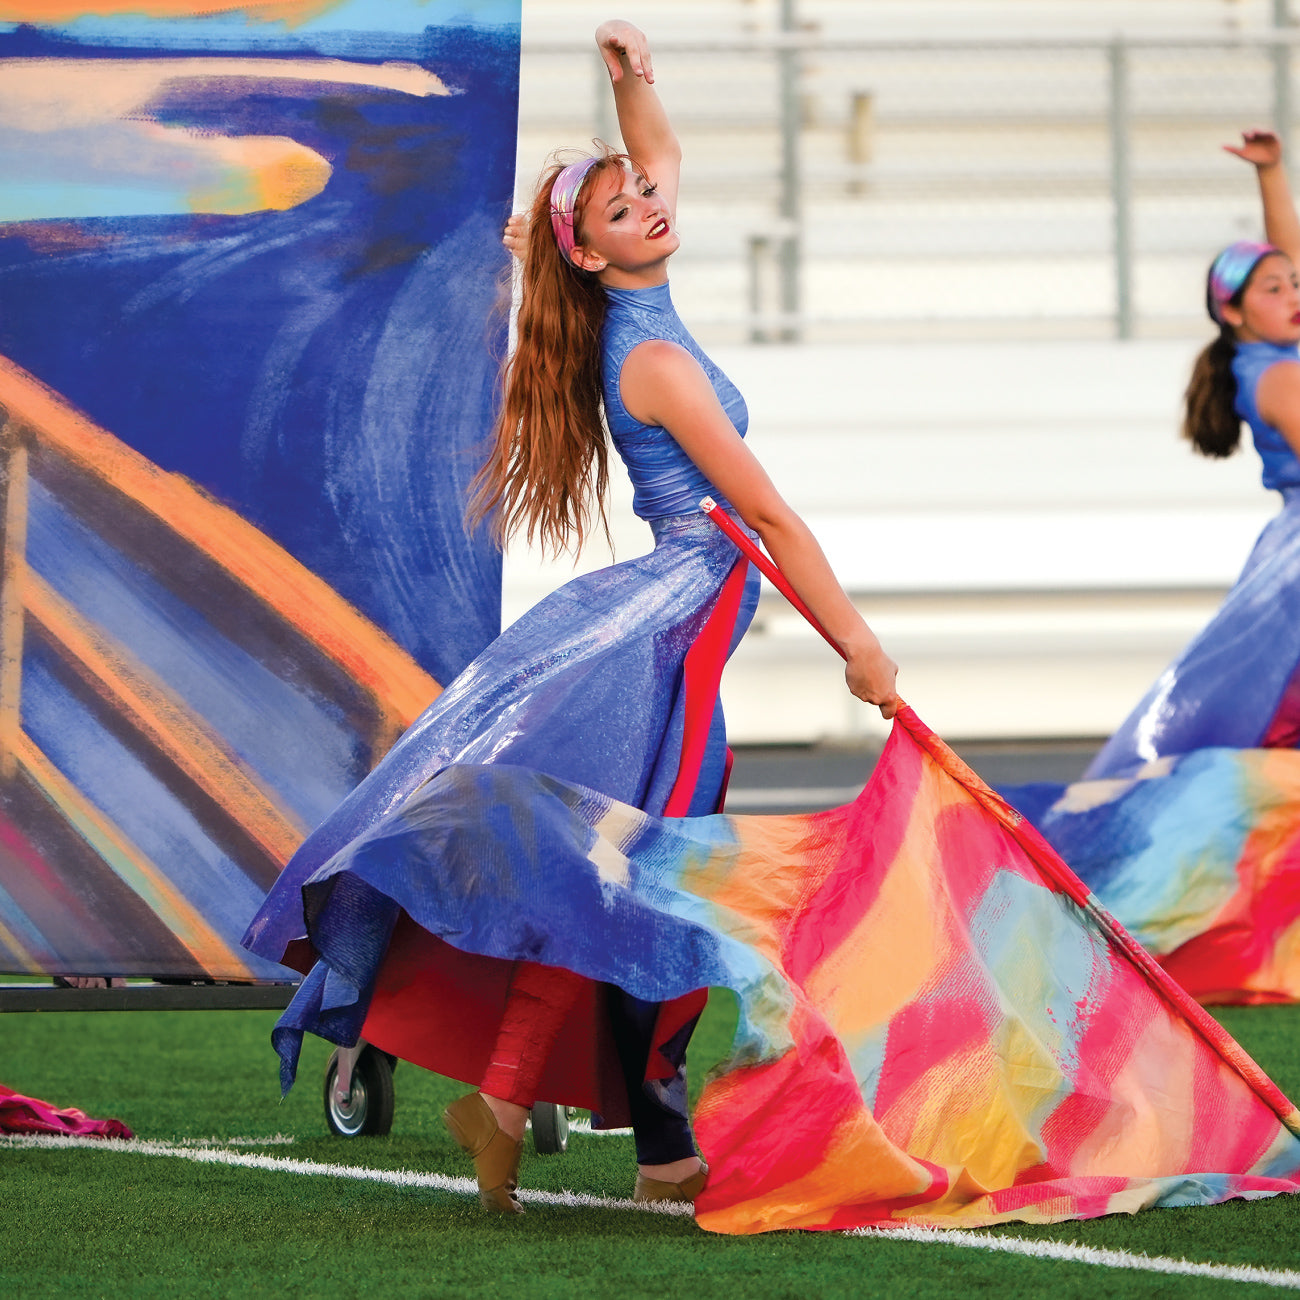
647, 133
1263, 150
663, 384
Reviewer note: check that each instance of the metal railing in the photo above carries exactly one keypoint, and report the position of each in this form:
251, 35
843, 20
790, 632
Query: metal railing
820, 127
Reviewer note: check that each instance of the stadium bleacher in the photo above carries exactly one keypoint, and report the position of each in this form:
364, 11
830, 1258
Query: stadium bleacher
996, 477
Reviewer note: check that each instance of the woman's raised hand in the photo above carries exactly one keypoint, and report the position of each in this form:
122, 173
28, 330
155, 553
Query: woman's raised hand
870, 674
1263, 150
617, 38
1259, 147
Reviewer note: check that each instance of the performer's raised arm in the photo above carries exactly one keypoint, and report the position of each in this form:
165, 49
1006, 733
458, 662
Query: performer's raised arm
647, 134
1263, 150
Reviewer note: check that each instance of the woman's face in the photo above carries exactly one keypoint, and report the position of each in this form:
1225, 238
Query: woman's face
627, 231
1270, 304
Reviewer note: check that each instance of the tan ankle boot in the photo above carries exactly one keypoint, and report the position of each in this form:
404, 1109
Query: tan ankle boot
654, 1189
496, 1153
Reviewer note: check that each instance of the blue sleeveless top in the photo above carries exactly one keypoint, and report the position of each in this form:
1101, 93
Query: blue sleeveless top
1281, 467
665, 480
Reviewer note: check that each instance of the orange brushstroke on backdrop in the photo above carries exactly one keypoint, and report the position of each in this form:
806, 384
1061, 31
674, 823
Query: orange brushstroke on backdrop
400, 688
59, 94
265, 173
166, 722
133, 867
110, 100
267, 11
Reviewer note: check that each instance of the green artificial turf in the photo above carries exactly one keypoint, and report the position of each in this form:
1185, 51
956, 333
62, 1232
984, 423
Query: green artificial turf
81, 1223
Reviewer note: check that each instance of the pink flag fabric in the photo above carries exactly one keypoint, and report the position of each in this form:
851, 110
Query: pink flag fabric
19, 1114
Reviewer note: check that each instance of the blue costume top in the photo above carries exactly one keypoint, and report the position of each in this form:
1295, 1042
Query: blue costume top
664, 478
1251, 360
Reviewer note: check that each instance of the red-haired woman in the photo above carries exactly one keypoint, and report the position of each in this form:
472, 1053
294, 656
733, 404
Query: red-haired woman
591, 687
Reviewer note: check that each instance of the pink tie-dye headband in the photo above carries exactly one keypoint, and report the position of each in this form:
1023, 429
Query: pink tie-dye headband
1229, 271
564, 198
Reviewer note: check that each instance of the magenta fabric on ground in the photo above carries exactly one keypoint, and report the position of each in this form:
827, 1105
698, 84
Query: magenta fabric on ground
19, 1114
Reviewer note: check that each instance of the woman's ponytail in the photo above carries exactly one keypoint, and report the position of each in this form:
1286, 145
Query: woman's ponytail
1210, 422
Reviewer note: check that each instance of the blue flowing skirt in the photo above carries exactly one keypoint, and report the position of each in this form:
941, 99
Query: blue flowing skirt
1229, 687
586, 687
1185, 824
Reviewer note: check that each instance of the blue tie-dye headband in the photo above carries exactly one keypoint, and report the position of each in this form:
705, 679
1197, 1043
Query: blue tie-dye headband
564, 199
1229, 271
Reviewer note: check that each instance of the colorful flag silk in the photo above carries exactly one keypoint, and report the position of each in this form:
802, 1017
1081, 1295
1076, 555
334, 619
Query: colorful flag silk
937, 1024
1187, 823
1198, 857
1269, 862
971, 1044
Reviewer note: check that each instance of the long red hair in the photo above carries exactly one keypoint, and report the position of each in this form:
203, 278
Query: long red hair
547, 472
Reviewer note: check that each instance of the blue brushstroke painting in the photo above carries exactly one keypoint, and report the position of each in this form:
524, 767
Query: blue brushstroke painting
328, 371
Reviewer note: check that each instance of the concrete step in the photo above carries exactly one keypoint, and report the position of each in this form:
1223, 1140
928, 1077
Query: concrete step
1019, 522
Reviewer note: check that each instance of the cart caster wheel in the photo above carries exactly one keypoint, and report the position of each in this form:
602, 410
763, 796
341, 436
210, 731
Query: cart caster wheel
368, 1109
550, 1129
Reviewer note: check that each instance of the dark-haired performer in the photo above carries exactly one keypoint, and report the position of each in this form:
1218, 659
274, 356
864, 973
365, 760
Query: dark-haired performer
1237, 685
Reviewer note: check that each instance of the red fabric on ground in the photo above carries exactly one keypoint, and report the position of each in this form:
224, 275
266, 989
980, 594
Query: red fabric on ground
19, 1114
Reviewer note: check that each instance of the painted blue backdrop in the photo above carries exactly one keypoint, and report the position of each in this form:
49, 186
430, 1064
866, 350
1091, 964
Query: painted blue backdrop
325, 368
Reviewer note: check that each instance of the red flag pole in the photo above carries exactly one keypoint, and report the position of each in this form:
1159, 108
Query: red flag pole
1049, 862
764, 564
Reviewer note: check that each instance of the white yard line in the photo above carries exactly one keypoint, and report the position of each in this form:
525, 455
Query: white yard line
1052, 1250
1070, 1253
284, 1165
275, 1140
583, 1126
